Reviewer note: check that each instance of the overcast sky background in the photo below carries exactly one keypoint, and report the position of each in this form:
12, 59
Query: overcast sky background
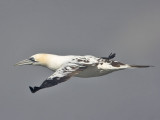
130, 28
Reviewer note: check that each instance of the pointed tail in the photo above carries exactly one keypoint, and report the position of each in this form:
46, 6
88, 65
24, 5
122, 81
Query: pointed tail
140, 66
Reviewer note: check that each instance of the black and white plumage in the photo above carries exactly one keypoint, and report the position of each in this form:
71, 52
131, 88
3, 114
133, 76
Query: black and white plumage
65, 67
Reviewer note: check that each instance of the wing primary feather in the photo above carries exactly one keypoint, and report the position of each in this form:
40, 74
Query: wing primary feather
111, 56
61, 75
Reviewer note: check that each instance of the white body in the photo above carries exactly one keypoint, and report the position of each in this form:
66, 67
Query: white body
54, 62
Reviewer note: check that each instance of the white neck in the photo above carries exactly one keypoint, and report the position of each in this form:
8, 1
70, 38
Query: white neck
54, 62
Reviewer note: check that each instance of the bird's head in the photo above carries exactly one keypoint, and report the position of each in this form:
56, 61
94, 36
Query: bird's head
37, 59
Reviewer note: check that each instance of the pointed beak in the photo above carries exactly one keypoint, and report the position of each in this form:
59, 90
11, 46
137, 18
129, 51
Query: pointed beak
25, 62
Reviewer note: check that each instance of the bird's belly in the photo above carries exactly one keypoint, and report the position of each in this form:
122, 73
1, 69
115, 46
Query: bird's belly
93, 72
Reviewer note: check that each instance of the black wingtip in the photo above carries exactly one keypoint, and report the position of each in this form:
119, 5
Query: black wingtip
112, 55
35, 89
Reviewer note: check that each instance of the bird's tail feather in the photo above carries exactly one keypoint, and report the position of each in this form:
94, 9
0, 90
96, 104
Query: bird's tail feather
140, 66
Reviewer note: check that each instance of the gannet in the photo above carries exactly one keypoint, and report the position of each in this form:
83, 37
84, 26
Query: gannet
64, 67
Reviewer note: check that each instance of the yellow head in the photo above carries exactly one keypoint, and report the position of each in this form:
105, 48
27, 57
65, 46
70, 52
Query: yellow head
37, 59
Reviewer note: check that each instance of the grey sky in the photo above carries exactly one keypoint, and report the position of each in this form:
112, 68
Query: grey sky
131, 28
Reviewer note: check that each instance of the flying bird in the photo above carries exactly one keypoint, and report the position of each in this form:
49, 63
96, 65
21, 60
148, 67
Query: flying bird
64, 67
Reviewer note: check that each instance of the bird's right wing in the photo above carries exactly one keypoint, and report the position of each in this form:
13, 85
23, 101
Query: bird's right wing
111, 56
61, 75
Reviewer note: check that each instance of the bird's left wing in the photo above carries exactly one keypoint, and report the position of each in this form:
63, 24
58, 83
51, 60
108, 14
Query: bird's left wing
61, 75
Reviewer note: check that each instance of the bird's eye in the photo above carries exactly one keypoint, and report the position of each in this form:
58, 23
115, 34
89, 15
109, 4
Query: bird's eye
32, 59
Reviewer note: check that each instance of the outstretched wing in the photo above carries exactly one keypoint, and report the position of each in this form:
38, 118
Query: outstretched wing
61, 75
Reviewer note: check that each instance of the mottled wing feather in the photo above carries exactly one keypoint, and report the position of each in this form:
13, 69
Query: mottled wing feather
61, 75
